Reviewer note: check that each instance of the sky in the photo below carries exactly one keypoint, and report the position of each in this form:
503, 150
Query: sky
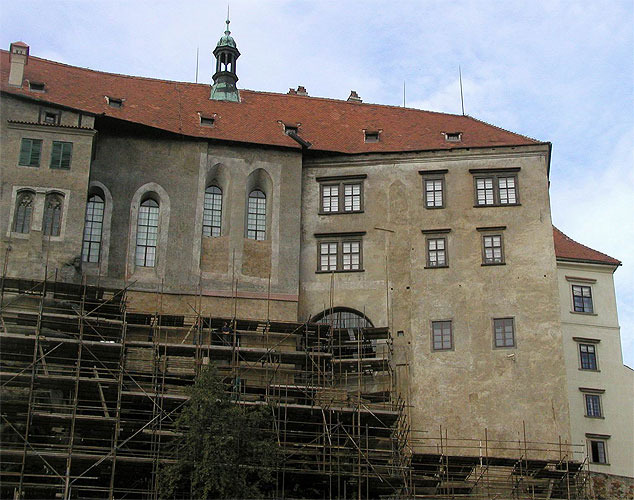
557, 71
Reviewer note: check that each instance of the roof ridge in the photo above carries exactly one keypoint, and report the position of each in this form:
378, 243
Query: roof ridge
135, 77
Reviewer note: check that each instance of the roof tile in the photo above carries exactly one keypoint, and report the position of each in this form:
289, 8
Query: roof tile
568, 249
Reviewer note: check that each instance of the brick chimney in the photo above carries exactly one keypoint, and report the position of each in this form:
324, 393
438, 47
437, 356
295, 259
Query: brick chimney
19, 58
354, 96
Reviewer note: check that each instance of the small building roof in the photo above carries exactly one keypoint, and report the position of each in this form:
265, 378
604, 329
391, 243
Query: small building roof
570, 250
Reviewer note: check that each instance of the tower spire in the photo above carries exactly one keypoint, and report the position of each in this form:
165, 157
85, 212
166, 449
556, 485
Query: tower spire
225, 78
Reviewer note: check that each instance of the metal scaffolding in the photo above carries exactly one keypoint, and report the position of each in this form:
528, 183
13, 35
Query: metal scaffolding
91, 392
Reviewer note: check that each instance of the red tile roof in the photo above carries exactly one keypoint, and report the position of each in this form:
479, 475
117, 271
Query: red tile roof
329, 124
568, 249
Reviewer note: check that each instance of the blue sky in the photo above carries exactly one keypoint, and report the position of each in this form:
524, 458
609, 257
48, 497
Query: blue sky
558, 71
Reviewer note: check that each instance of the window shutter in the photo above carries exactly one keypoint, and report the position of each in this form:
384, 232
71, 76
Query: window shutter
36, 149
25, 152
56, 155
67, 150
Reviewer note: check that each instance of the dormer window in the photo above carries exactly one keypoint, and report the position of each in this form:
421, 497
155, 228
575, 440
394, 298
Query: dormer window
50, 117
207, 121
290, 129
453, 136
36, 86
371, 135
114, 102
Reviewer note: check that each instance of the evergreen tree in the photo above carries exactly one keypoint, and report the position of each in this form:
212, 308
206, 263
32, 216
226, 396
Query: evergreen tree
227, 450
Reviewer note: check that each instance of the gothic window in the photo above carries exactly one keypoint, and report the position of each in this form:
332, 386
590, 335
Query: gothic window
212, 211
23, 212
52, 215
93, 229
147, 233
256, 215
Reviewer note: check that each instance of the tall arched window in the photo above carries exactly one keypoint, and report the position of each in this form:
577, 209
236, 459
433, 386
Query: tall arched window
256, 215
52, 214
212, 211
93, 229
147, 233
23, 212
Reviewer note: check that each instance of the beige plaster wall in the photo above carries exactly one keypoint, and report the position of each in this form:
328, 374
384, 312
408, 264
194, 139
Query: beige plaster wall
474, 385
612, 376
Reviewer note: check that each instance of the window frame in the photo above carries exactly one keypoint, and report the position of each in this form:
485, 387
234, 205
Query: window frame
593, 345
211, 211
341, 182
588, 409
257, 215
20, 195
52, 224
574, 306
495, 175
493, 262
39, 157
143, 263
91, 242
603, 440
436, 237
62, 144
339, 239
433, 336
514, 332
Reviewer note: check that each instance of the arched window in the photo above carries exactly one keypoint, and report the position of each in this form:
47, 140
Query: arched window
52, 215
93, 229
147, 233
256, 215
23, 212
212, 211
343, 317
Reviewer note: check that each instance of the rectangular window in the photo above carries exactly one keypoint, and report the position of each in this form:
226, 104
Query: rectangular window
484, 191
61, 155
504, 332
434, 193
492, 250
328, 256
437, 252
351, 255
330, 198
339, 253
442, 335
582, 298
496, 190
341, 194
30, 150
598, 451
352, 197
588, 356
593, 405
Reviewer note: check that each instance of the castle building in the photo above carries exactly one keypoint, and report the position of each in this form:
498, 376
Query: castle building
292, 208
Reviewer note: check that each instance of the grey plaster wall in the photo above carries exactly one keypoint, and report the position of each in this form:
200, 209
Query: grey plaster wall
474, 385
176, 172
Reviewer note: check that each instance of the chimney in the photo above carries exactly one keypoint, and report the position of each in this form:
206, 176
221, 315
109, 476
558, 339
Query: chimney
292, 92
354, 97
301, 90
19, 58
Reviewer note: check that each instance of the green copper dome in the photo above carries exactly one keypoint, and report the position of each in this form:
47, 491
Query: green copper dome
226, 40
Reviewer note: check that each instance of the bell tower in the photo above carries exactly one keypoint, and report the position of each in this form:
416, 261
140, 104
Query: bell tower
225, 78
